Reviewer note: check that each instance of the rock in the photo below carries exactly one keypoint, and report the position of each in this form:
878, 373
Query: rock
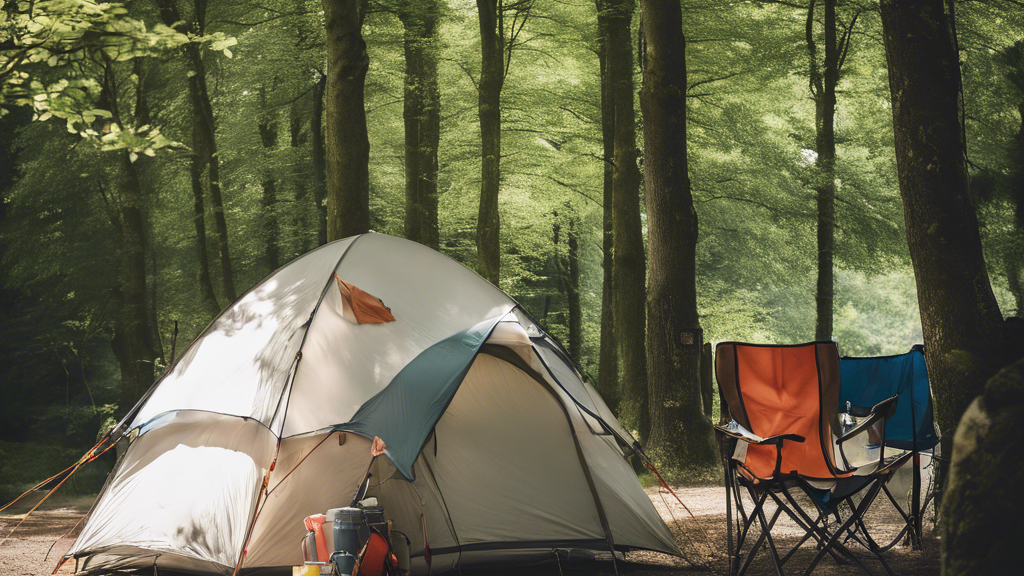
982, 525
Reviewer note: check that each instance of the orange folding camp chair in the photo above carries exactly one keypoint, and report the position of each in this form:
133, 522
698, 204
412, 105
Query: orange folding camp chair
781, 439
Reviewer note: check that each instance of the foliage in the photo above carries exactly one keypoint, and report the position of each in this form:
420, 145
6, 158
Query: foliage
751, 136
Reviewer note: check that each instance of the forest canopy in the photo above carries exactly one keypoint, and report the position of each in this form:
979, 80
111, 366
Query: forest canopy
160, 156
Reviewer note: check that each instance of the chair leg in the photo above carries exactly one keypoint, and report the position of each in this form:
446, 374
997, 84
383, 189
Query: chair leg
910, 527
766, 526
728, 517
813, 527
846, 526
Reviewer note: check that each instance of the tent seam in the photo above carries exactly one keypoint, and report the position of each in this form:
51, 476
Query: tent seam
284, 418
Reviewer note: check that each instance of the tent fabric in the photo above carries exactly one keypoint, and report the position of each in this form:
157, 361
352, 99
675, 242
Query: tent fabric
248, 350
865, 382
404, 413
431, 296
496, 446
364, 308
784, 390
186, 487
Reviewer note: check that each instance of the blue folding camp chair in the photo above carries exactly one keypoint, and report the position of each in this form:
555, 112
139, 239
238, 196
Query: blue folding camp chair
865, 381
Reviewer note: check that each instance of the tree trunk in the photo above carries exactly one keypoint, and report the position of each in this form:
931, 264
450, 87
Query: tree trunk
319, 152
152, 320
825, 146
220, 223
131, 341
1012, 268
142, 118
492, 77
959, 315
573, 290
297, 139
196, 164
707, 379
608, 362
348, 146
132, 345
1015, 259
204, 131
422, 122
267, 128
681, 435
629, 268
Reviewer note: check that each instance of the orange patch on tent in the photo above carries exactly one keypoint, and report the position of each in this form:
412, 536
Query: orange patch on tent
366, 308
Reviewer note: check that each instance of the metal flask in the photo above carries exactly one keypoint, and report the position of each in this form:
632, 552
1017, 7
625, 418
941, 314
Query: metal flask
346, 539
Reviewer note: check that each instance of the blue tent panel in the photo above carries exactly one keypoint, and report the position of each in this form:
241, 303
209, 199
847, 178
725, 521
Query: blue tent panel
867, 381
404, 413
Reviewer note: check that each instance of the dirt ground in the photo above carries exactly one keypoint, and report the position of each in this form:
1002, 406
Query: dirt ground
701, 537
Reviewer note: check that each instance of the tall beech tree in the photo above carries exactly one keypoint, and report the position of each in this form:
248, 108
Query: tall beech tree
1012, 58
131, 342
495, 59
348, 146
962, 325
492, 78
319, 153
823, 80
680, 432
267, 128
608, 363
204, 153
629, 269
422, 117
572, 286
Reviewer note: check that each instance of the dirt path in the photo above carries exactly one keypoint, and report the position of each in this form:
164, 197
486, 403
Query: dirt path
702, 539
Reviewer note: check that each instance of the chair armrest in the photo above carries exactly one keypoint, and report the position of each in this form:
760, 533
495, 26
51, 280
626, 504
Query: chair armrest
882, 410
776, 440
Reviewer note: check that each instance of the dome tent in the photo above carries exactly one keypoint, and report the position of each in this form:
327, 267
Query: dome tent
496, 448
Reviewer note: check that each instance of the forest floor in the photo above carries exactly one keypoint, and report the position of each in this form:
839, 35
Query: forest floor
701, 538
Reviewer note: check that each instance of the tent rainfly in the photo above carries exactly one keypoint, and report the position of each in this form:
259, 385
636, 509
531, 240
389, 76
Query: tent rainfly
497, 449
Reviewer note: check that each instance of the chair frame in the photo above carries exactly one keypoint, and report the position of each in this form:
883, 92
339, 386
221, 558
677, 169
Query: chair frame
777, 488
914, 518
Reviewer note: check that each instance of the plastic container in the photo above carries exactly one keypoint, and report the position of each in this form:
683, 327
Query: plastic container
347, 524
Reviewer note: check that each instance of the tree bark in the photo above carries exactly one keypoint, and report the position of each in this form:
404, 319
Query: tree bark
629, 268
959, 315
681, 435
707, 379
267, 128
132, 345
204, 131
573, 290
492, 78
824, 82
608, 362
319, 152
131, 341
297, 138
1014, 260
348, 146
422, 116
196, 164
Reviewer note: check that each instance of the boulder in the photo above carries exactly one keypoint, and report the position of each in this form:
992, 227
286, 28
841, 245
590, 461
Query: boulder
982, 521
